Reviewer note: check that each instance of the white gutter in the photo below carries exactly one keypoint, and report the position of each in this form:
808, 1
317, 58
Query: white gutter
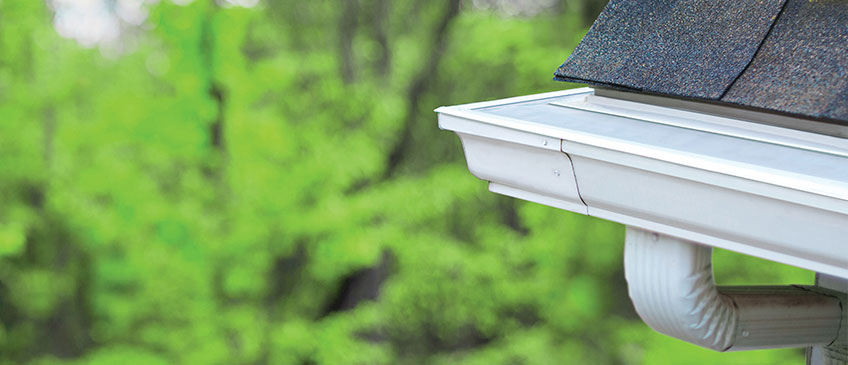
671, 284
762, 190
778, 194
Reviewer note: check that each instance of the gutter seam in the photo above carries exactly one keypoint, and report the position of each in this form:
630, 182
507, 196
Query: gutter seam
829, 293
573, 174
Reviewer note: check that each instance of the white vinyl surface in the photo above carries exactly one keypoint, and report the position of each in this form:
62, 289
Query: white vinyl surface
766, 191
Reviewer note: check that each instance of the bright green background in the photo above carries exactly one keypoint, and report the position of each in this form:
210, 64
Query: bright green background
269, 185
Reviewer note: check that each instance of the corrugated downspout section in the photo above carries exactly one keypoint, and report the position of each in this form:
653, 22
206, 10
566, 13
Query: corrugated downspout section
671, 284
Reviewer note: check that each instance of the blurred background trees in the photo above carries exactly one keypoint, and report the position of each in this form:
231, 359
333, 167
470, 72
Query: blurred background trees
259, 182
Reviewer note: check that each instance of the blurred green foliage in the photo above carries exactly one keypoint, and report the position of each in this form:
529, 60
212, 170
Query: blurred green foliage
268, 185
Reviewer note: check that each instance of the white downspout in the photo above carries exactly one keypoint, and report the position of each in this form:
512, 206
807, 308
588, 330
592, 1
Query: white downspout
670, 281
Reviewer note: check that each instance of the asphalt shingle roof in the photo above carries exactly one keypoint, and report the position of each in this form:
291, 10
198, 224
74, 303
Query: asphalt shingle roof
783, 55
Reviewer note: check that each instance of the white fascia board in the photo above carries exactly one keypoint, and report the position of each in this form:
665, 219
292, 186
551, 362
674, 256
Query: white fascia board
765, 191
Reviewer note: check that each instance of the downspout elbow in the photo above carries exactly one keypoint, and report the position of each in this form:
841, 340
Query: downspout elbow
670, 282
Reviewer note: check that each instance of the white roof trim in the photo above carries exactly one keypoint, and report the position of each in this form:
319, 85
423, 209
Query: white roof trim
709, 123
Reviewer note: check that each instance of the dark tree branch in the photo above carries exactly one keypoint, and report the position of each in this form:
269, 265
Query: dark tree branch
216, 128
590, 10
347, 30
419, 87
381, 14
216, 90
510, 217
364, 284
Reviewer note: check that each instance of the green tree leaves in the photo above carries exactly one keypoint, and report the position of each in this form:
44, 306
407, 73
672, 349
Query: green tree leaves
222, 194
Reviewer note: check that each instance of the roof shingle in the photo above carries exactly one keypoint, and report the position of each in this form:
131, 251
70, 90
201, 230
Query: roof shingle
788, 56
802, 67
